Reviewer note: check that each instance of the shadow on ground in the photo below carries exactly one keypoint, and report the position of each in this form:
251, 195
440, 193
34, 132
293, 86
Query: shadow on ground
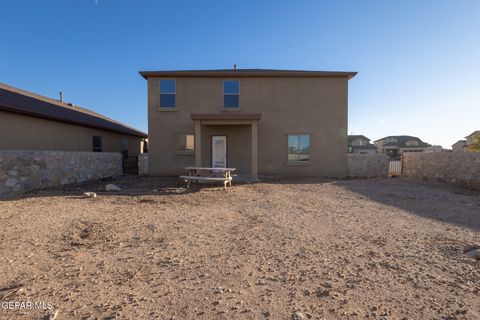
130, 185
433, 201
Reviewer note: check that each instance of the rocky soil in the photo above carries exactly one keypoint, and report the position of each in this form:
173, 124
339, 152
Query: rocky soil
295, 249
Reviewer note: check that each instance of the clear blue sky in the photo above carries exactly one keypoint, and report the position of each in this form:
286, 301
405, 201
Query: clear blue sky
418, 61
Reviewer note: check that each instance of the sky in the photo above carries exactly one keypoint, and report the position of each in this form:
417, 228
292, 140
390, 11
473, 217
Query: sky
418, 62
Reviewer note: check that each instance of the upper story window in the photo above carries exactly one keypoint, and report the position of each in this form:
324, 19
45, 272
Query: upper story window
168, 89
298, 147
231, 94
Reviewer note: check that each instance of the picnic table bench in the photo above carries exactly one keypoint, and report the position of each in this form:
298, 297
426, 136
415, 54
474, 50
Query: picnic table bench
209, 174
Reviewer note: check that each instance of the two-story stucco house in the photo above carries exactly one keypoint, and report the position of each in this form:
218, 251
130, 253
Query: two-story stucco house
395, 146
466, 145
473, 138
271, 122
361, 145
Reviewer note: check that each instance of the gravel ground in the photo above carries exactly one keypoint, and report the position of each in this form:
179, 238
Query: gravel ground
294, 249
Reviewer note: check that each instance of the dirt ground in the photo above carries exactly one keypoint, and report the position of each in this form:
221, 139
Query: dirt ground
295, 249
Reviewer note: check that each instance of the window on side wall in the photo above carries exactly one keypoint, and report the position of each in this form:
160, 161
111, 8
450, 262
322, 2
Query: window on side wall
97, 144
168, 91
185, 143
124, 148
231, 94
298, 147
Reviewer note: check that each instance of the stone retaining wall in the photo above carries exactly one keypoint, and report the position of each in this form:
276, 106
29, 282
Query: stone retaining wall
367, 165
23, 170
460, 168
143, 164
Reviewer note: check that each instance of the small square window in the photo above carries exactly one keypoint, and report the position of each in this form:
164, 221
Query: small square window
231, 94
298, 147
185, 143
168, 90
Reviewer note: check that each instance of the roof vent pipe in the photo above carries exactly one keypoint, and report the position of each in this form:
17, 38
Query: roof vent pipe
61, 96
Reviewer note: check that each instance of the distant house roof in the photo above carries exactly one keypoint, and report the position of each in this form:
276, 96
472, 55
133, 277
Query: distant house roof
352, 138
355, 137
402, 140
246, 73
31, 104
462, 142
473, 133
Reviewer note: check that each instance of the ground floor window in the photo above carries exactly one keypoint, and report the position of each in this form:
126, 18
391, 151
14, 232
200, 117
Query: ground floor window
124, 148
97, 143
298, 147
185, 143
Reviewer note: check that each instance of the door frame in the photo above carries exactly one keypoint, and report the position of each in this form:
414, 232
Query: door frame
226, 149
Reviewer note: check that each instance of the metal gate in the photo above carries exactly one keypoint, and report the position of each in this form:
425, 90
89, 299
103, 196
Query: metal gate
395, 167
130, 165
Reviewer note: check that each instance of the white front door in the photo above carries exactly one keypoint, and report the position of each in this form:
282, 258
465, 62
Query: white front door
219, 151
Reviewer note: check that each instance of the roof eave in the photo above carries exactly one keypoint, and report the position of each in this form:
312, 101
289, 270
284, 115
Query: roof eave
239, 73
136, 133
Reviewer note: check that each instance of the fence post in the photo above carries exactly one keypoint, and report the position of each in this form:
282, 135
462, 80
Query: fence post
401, 165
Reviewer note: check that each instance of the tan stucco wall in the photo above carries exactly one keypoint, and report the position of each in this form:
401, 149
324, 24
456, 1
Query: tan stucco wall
21, 132
315, 106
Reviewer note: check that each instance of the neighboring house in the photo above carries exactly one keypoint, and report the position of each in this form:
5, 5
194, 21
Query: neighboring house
459, 146
395, 146
360, 144
32, 122
472, 138
272, 122
462, 145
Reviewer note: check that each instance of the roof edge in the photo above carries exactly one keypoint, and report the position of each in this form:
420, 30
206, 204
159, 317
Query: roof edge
247, 73
134, 132
126, 129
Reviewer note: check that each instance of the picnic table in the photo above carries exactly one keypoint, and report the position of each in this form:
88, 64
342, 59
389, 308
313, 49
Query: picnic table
209, 174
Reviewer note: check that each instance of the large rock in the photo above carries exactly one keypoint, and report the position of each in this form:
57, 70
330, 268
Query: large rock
474, 254
112, 187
